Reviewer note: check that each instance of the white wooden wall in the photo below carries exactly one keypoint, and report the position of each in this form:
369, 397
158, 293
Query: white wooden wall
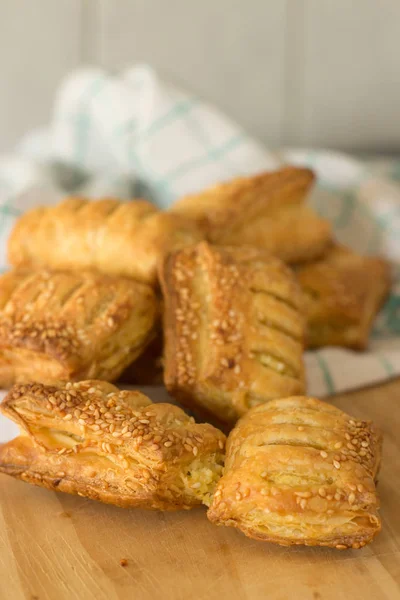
304, 72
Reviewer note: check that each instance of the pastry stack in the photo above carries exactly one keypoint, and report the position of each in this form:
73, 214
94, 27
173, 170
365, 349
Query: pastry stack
219, 296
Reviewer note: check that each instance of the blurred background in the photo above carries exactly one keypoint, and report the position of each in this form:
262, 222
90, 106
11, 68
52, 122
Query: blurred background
319, 73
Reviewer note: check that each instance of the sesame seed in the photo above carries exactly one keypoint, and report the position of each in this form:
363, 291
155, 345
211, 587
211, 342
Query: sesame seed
352, 498
324, 454
303, 494
68, 417
336, 464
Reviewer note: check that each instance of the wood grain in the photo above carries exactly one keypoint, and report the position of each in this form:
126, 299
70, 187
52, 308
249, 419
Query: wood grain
54, 546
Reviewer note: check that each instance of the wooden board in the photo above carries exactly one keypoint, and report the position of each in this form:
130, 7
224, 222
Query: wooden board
56, 547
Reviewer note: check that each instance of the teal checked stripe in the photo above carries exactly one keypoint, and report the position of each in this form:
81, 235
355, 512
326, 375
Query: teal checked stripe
323, 365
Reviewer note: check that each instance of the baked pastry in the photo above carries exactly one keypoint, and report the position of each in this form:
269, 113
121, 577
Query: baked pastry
57, 326
343, 293
233, 329
267, 210
111, 236
300, 471
147, 369
90, 439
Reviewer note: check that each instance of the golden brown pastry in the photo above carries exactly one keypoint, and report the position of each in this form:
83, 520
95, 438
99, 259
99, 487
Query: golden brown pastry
110, 236
267, 211
57, 326
147, 369
90, 439
300, 471
343, 293
233, 329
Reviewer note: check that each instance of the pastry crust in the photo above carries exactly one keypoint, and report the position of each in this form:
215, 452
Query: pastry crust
110, 236
233, 329
300, 471
343, 293
267, 211
57, 326
147, 369
88, 438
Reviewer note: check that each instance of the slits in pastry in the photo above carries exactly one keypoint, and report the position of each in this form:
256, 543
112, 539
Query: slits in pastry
300, 471
110, 236
233, 329
343, 293
57, 326
267, 210
90, 439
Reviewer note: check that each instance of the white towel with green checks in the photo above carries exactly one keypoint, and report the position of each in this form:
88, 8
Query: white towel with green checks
131, 134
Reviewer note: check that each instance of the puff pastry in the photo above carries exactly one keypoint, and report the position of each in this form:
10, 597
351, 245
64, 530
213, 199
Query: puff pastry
343, 293
147, 369
300, 471
268, 211
88, 438
56, 326
110, 236
233, 329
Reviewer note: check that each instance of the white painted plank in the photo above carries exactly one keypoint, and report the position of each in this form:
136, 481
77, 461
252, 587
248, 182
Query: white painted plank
228, 51
40, 41
351, 62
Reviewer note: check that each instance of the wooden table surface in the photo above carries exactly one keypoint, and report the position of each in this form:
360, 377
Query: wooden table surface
56, 547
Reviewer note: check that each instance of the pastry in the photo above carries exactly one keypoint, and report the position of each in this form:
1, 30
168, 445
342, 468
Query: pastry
110, 236
233, 329
266, 210
300, 471
343, 292
88, 438
57, 326
148, 368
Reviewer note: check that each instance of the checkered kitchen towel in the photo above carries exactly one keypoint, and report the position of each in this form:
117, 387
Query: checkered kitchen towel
132, 134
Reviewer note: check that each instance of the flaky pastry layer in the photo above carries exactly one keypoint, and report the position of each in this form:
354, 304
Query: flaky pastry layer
267, 210
58, 326
300, 471
91, 439
343, 292
233, 329
108, 235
